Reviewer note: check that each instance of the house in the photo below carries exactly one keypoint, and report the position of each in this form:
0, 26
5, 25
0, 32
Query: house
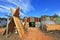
32, 21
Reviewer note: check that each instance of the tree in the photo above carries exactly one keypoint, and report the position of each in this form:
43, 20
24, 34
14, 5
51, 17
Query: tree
55, 15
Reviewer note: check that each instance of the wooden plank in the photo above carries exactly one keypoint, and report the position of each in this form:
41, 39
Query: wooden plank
11, 25
17, 21
52, 27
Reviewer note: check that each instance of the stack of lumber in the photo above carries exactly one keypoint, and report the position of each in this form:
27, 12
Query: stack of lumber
52, 27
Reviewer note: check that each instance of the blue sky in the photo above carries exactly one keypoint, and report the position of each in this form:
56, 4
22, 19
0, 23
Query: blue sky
34, 8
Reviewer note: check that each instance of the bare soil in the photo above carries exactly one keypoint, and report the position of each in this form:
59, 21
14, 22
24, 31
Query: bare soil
33, 34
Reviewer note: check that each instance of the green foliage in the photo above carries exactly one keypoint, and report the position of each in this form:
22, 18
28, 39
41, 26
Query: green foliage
57, 20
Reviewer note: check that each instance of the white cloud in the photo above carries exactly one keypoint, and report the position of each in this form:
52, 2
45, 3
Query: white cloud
46, 9
5, 7
22, 14
24, 4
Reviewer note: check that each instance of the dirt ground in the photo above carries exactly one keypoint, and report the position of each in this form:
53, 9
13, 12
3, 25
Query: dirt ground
54, 34
33, 34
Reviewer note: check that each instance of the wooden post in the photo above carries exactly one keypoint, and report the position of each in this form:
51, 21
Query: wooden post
7, 26
25, 25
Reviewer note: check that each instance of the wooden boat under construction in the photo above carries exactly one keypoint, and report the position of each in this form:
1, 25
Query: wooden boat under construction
31, 33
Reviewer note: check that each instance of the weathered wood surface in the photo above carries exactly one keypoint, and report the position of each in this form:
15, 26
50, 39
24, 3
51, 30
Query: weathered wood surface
11, 25
19, 26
